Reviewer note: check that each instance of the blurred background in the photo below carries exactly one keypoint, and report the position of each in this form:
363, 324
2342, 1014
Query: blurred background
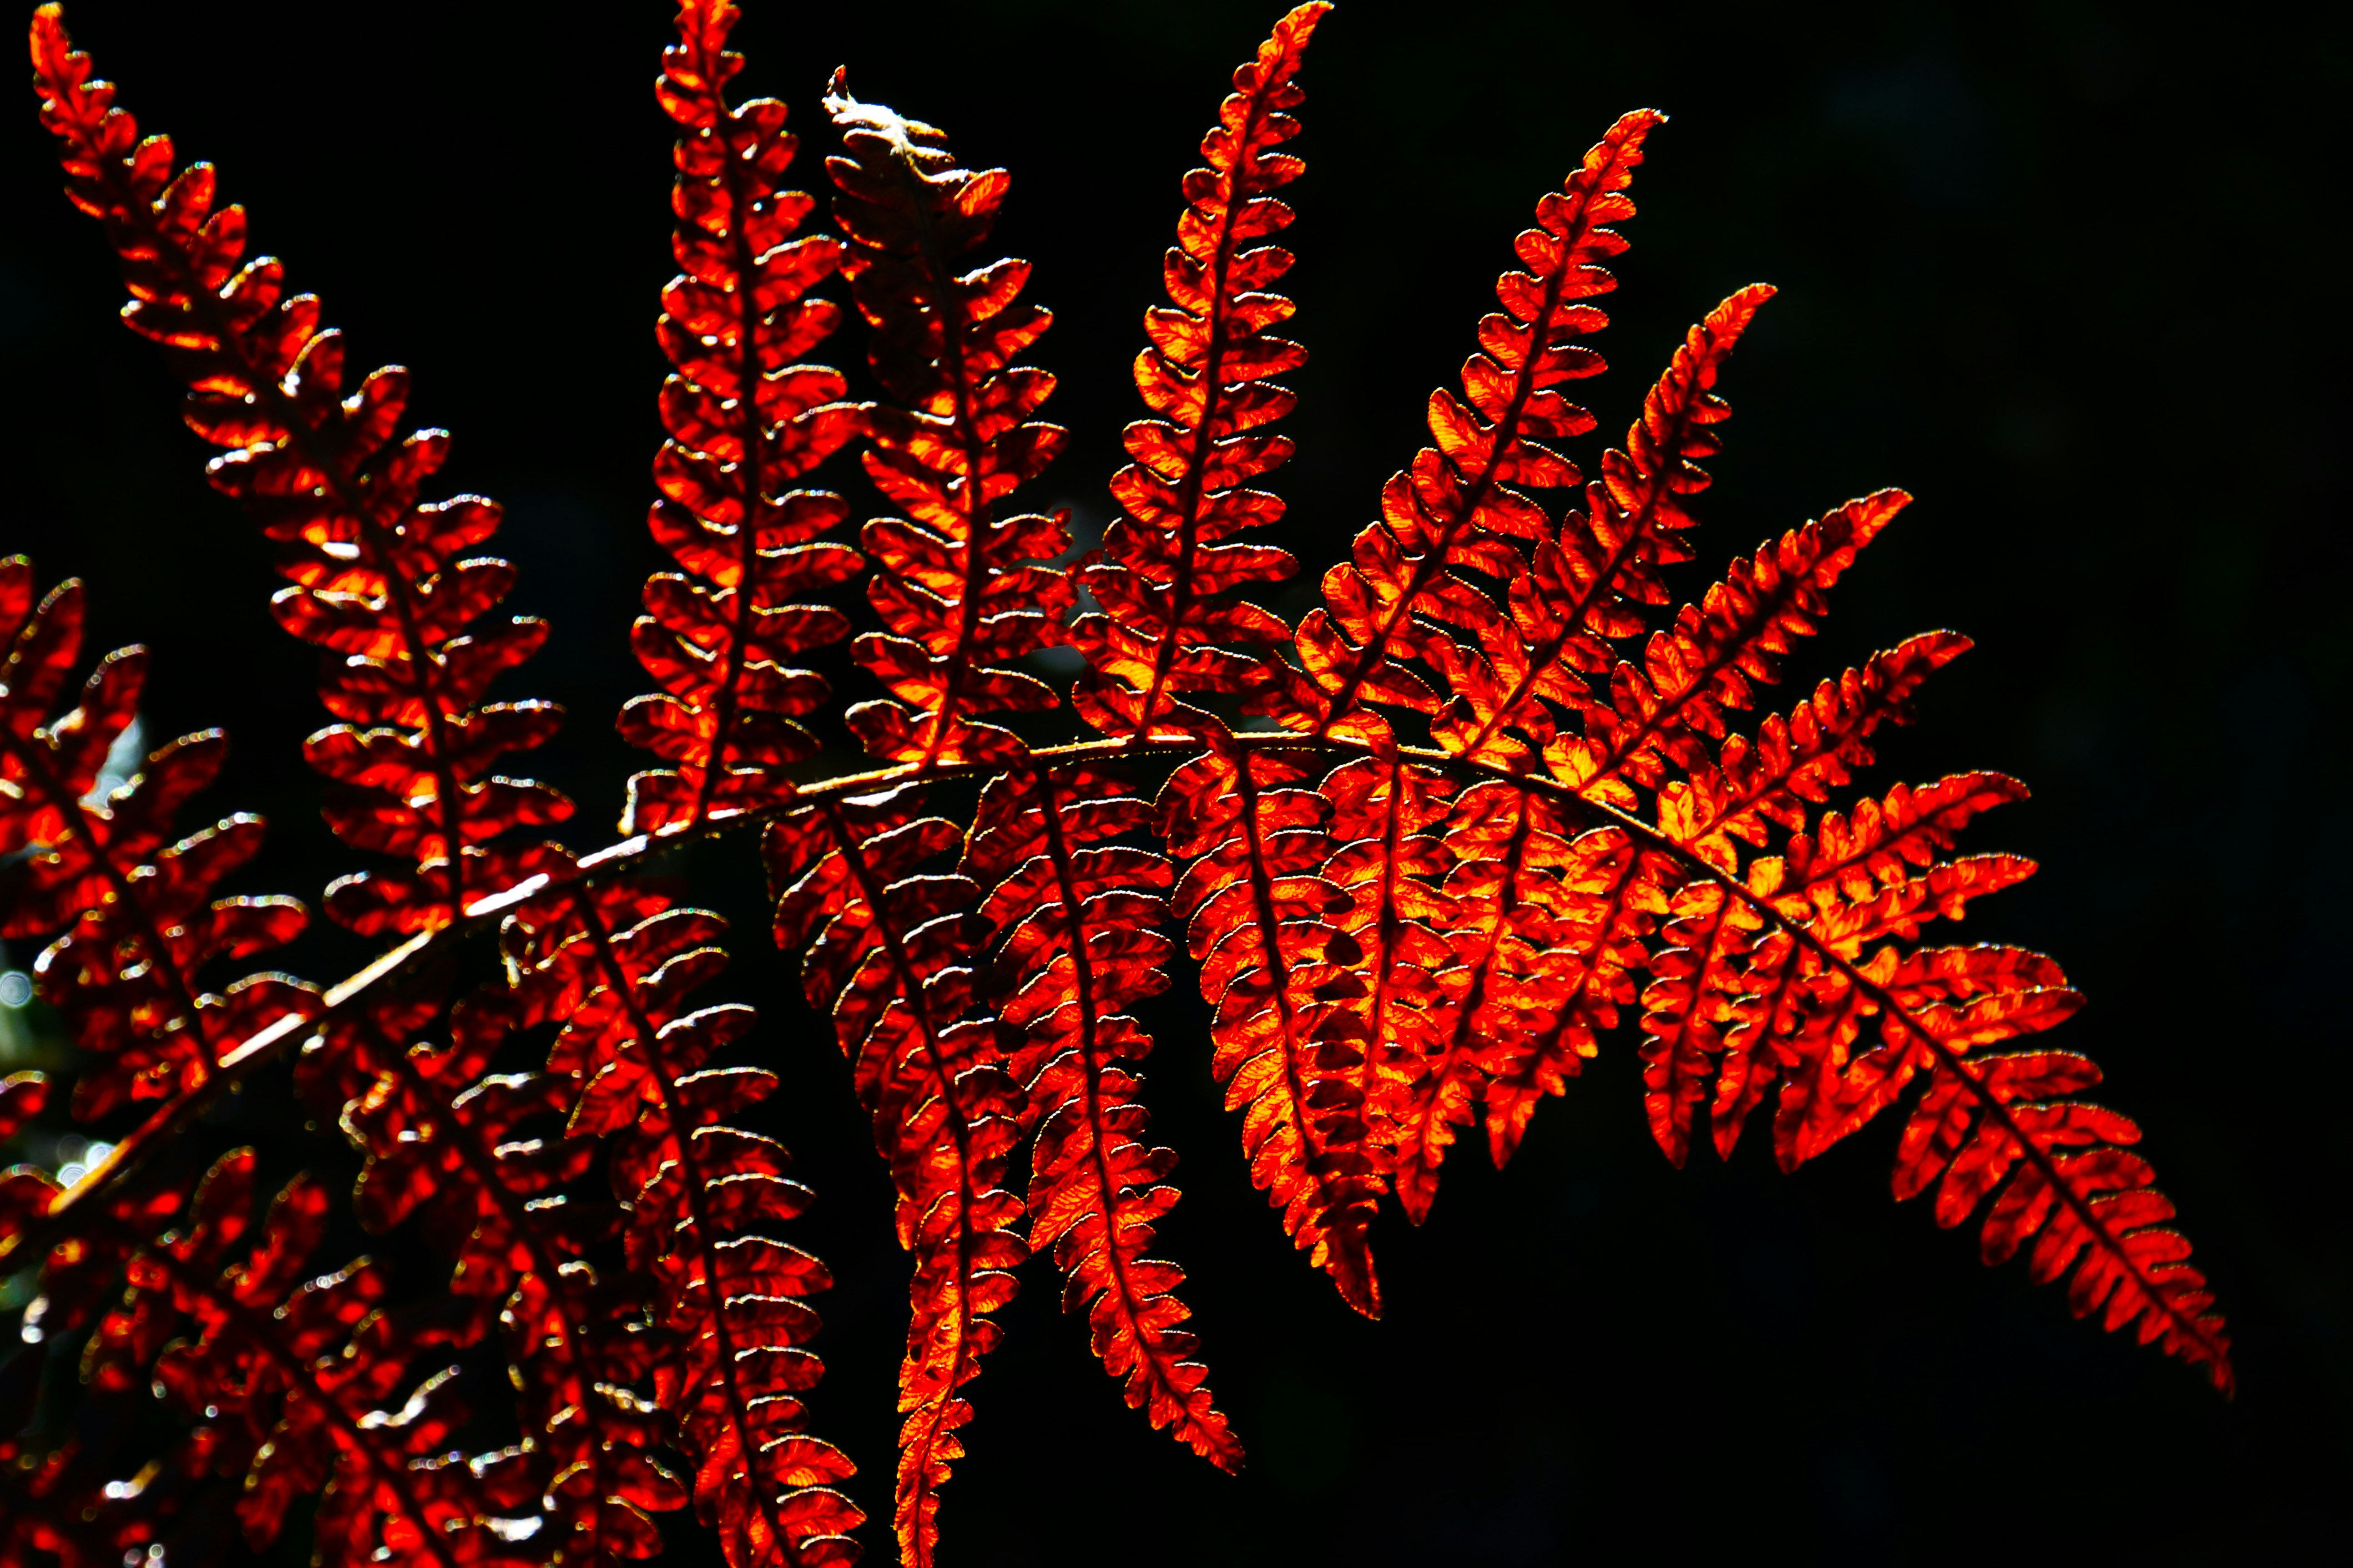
2062, 270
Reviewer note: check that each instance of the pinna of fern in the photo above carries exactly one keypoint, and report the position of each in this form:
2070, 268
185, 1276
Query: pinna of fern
746, 417
432, 1120
225, 1327
375, 576
1491, 801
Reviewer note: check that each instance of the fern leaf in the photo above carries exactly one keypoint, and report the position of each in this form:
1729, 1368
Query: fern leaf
1459, 505
1770, 973
1858, 854
298, 1388
1534, 961
2065, 1186
1766, 973
470, 1154
892, 964
1169, 566
1072, 919
616, 962
1400, 942
131, 910
747, 419
1802, 758
375, 575
1389, 866
1259, 921
1692, 997
1610, 894
1664, 712
2072, 1190
957, 583
1584, 589
140, 930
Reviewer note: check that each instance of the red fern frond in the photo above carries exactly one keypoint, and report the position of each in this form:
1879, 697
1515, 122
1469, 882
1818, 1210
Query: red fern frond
132, 911
296, 1388
1583, 589
376, 577
1695, 992
960, 585
1400, 942
1611, 895
125, 978
1770, 973
1765, 975
1547, 927
2072, 1192
1665, 711
1167, 569
1259, 917
746, 420
450, 1141
616, 963
1997, 1126
58, 1502
1802, 758
892, 963
1389, 865
1073, 918
1458, 505
1873, 847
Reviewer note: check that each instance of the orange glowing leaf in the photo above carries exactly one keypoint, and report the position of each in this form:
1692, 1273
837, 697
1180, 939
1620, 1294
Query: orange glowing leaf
1494, 806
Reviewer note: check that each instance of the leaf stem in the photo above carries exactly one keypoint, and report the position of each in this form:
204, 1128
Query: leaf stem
625, 856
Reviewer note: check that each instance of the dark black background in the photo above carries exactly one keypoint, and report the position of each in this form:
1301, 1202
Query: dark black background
2065, 271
